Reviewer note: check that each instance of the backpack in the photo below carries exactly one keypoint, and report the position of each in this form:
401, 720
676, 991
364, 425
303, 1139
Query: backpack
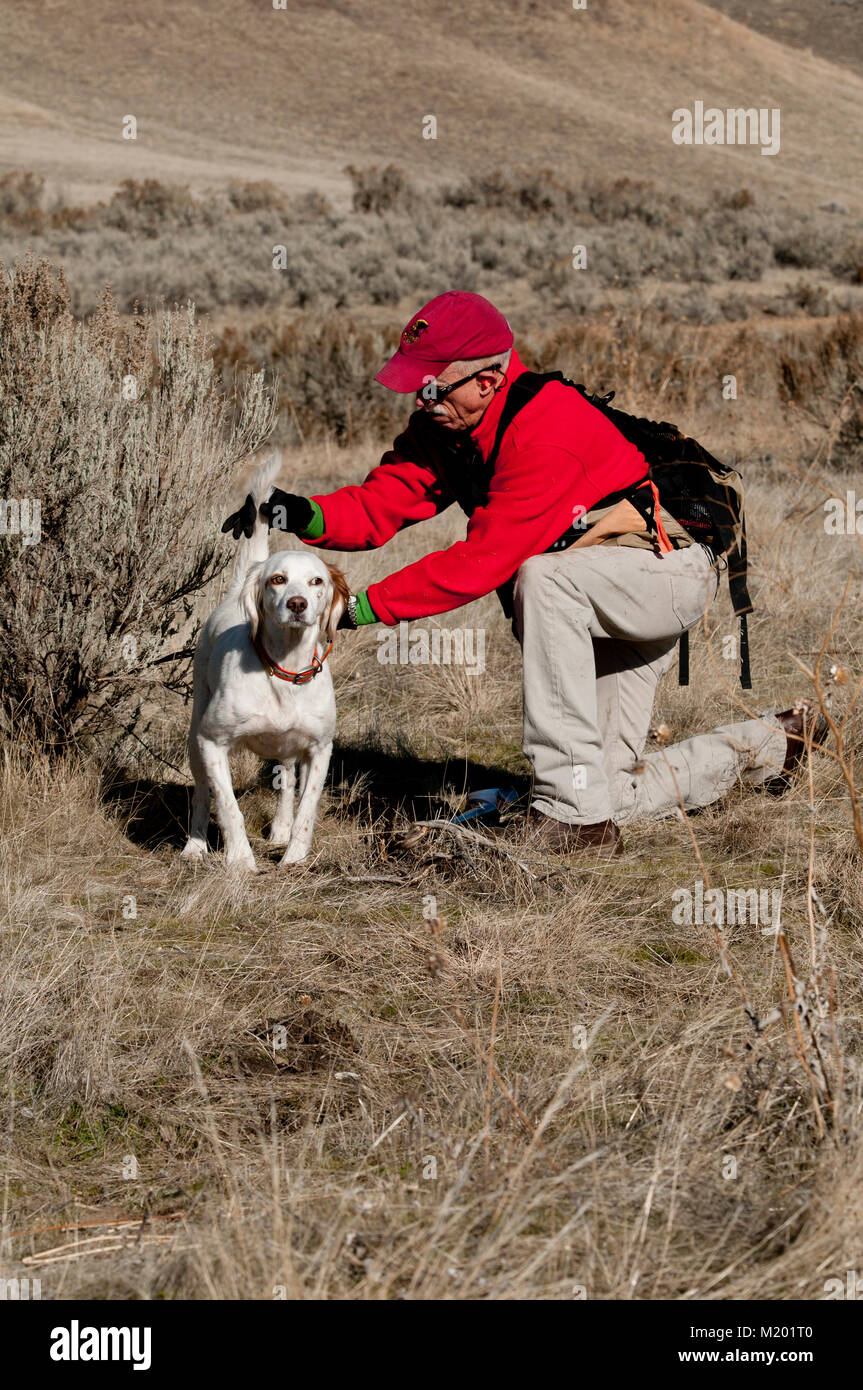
702, 494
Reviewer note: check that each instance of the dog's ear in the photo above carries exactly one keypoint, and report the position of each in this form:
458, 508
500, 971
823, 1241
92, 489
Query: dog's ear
341, 594
252, 596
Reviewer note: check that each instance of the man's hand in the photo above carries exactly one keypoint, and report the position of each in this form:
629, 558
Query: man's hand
283, 510
622, 520
243, 520
349, 617
287, 512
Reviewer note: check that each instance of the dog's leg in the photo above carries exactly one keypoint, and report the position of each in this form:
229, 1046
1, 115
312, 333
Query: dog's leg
313, 771
280, 830
237, 848
302, 776
196, 845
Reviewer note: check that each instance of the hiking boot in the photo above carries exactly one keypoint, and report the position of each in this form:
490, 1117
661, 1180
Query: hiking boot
600, 837
804, 727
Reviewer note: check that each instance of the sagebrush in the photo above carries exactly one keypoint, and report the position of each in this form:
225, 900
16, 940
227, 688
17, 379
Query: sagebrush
119, 432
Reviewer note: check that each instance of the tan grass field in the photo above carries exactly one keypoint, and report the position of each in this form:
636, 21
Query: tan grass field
431, 1123
421, 1066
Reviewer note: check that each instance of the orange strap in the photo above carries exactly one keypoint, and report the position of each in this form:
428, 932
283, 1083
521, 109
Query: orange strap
661, 533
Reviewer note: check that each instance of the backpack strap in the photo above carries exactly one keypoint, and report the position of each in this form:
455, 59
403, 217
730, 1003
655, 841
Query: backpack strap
745, 673
740, 600
522, 390
683, 658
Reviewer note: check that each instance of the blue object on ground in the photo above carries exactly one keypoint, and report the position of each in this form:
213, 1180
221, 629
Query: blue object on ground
488, 802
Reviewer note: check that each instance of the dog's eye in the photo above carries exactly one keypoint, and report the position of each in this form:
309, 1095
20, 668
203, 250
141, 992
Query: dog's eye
276, 579
316, 580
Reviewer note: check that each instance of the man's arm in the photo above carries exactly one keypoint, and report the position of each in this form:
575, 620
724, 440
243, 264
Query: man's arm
530, 505
403, 489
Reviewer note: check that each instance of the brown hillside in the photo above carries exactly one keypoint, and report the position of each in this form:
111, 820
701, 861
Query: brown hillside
831, 28
235, 88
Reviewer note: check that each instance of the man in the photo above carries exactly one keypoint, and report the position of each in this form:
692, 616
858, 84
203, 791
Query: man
599, 605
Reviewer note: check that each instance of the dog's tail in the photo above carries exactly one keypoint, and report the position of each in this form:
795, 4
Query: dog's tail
251, 552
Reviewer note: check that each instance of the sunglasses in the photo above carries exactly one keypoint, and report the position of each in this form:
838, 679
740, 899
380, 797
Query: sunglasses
433, 393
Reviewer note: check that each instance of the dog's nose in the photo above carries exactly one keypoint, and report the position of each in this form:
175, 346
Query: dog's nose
297, 605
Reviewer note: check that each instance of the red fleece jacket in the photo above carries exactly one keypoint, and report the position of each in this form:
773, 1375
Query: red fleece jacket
559, 454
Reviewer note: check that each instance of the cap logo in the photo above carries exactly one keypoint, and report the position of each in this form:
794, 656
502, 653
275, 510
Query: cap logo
414, 330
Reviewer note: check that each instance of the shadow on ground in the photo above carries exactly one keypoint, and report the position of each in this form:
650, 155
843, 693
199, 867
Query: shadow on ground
365, 783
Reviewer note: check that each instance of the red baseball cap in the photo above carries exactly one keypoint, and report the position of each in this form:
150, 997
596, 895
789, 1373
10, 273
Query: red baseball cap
450, 327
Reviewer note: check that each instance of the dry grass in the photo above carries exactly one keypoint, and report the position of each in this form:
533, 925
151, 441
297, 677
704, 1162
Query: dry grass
346, 1099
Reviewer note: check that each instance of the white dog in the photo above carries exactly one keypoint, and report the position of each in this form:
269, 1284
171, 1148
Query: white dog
261, 681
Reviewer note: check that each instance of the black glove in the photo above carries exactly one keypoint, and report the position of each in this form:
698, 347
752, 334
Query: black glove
349, 617
243, 520
293, 513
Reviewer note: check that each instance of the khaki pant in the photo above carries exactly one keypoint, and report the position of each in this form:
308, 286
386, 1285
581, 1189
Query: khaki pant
598, 627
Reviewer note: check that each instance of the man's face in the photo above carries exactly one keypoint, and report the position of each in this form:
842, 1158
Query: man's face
463, 408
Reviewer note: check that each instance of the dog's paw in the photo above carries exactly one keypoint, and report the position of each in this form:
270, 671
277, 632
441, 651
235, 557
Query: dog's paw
193, 852
294, 855
279, 836
241, 864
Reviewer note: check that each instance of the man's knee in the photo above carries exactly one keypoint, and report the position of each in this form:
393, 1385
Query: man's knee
532, 575
531, 578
